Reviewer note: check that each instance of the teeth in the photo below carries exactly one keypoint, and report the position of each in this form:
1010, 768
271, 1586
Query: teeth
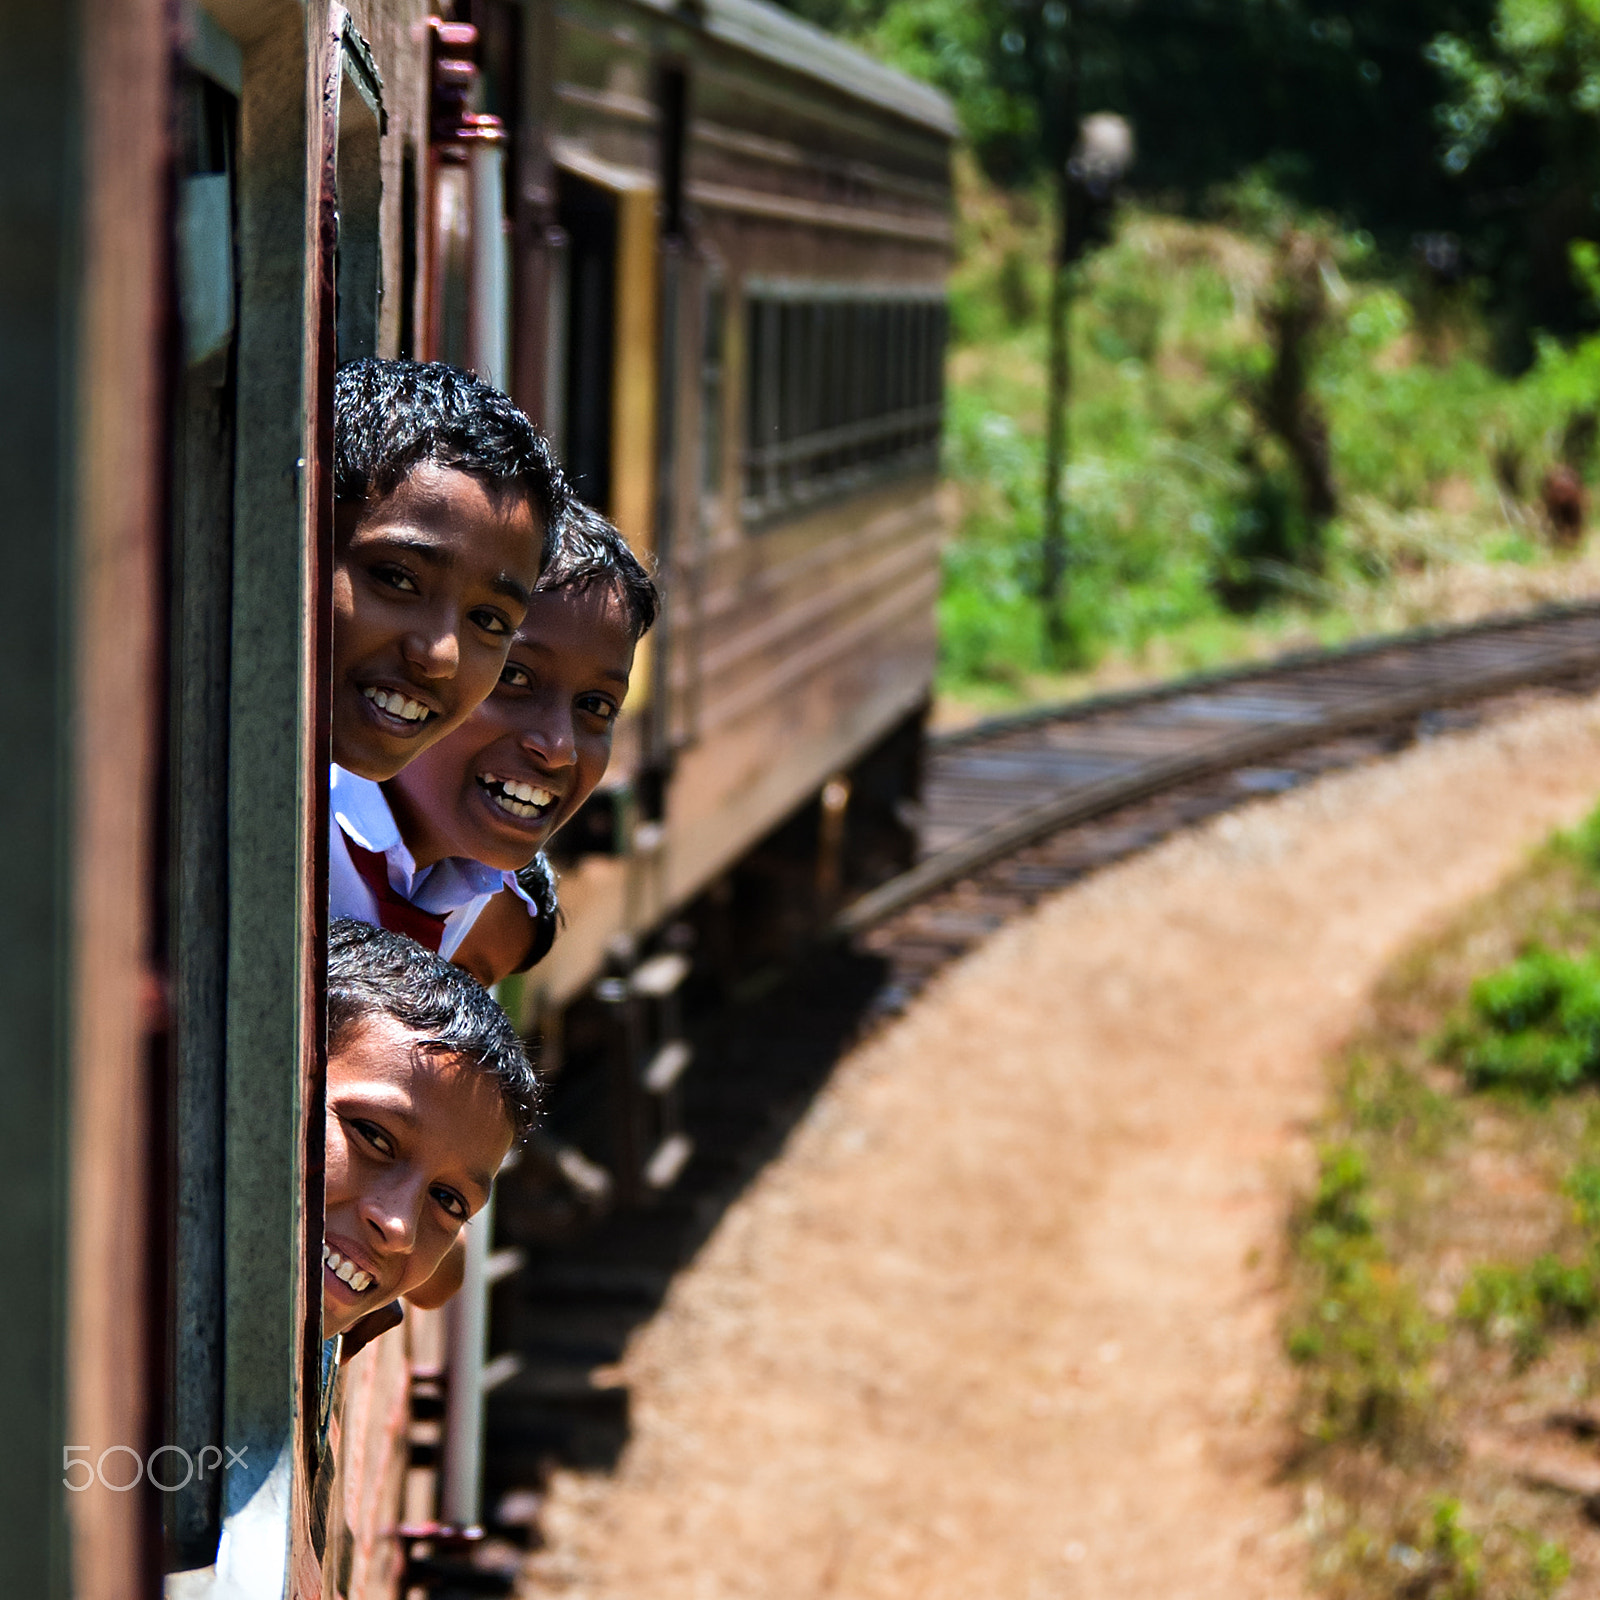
398, 705
528, 794
347, 1271
519, 798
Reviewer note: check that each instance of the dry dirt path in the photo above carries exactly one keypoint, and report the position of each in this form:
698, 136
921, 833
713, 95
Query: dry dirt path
1002, 1323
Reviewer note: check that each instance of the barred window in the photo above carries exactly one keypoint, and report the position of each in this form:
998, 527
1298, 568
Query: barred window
845, 386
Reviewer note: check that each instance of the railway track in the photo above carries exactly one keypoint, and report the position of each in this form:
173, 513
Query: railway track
1013, 810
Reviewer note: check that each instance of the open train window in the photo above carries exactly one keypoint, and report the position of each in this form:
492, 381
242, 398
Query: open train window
588, 216
610, 331
713, 338
359, 269
843, 386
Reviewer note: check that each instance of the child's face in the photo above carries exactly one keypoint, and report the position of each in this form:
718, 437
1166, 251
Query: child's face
524, 761
414, 1139
429, 585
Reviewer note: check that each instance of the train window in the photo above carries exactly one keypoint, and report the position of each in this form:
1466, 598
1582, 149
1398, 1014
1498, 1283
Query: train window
358, 273
712, 340
843, 386
588, 216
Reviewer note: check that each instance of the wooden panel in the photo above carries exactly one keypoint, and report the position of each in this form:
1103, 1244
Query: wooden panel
374, 1451
85, 103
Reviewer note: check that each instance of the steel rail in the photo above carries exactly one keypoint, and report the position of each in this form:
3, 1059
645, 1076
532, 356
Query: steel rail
1083, 802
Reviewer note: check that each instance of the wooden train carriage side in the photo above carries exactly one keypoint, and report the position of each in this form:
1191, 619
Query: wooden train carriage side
796, 196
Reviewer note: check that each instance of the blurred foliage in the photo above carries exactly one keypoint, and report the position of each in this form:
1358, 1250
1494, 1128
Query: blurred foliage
1185, 505
1521, 126
1445, 1267
1520, 1305
1444, 157
1366, 1339
1405, 118
1533, 1026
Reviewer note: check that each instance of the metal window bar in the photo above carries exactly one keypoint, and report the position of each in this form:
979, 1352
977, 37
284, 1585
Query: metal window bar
841, 389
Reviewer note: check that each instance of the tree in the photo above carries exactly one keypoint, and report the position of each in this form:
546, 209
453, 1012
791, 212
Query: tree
1521, 128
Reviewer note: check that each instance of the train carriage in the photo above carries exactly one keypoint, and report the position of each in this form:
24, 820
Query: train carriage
703, 245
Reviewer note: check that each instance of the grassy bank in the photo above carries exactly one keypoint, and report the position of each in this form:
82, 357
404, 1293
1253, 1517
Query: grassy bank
1446, 1317
1175, 488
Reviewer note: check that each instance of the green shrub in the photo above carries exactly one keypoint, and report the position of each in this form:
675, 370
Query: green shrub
1456, 1554
1366, 1342
1552, 1566
1343, 1203
1583, 842
1534, 1025
1583, 1189
1519, 1306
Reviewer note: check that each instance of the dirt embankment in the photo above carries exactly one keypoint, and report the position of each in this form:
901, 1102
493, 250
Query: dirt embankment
1003, 1322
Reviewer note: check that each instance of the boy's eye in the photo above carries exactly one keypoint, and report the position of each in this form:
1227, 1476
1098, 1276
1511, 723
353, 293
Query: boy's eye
453, 1203
375, 1136
514, 677
596, 705
396, 578
490, 622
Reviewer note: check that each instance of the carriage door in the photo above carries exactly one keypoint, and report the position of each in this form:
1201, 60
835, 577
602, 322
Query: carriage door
588, 216
607, 413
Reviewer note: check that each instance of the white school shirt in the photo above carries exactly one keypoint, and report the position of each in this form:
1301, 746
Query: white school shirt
456, 888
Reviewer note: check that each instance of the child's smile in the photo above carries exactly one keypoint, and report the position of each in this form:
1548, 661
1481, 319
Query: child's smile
399, 706
343, 1270
496, 789
526, 801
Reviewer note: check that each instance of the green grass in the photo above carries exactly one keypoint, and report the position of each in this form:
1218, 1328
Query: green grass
1445, 1265
1170, 477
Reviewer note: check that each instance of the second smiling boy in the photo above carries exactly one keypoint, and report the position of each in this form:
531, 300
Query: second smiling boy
521, 765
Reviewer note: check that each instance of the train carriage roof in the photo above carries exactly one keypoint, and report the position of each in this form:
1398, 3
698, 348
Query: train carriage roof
785, 40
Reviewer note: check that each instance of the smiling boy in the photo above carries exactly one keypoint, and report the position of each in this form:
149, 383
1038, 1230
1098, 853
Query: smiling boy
428, 1088
521, 765
444, 497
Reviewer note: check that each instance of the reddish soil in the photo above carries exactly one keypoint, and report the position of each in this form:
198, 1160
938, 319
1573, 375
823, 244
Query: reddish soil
1003, 1321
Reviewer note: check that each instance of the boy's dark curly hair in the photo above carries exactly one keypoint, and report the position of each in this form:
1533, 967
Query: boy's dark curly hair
389, 417
538, 881
588, 551
373, 972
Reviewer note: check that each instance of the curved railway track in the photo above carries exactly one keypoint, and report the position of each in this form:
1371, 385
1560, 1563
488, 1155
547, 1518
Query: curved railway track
1013, 810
